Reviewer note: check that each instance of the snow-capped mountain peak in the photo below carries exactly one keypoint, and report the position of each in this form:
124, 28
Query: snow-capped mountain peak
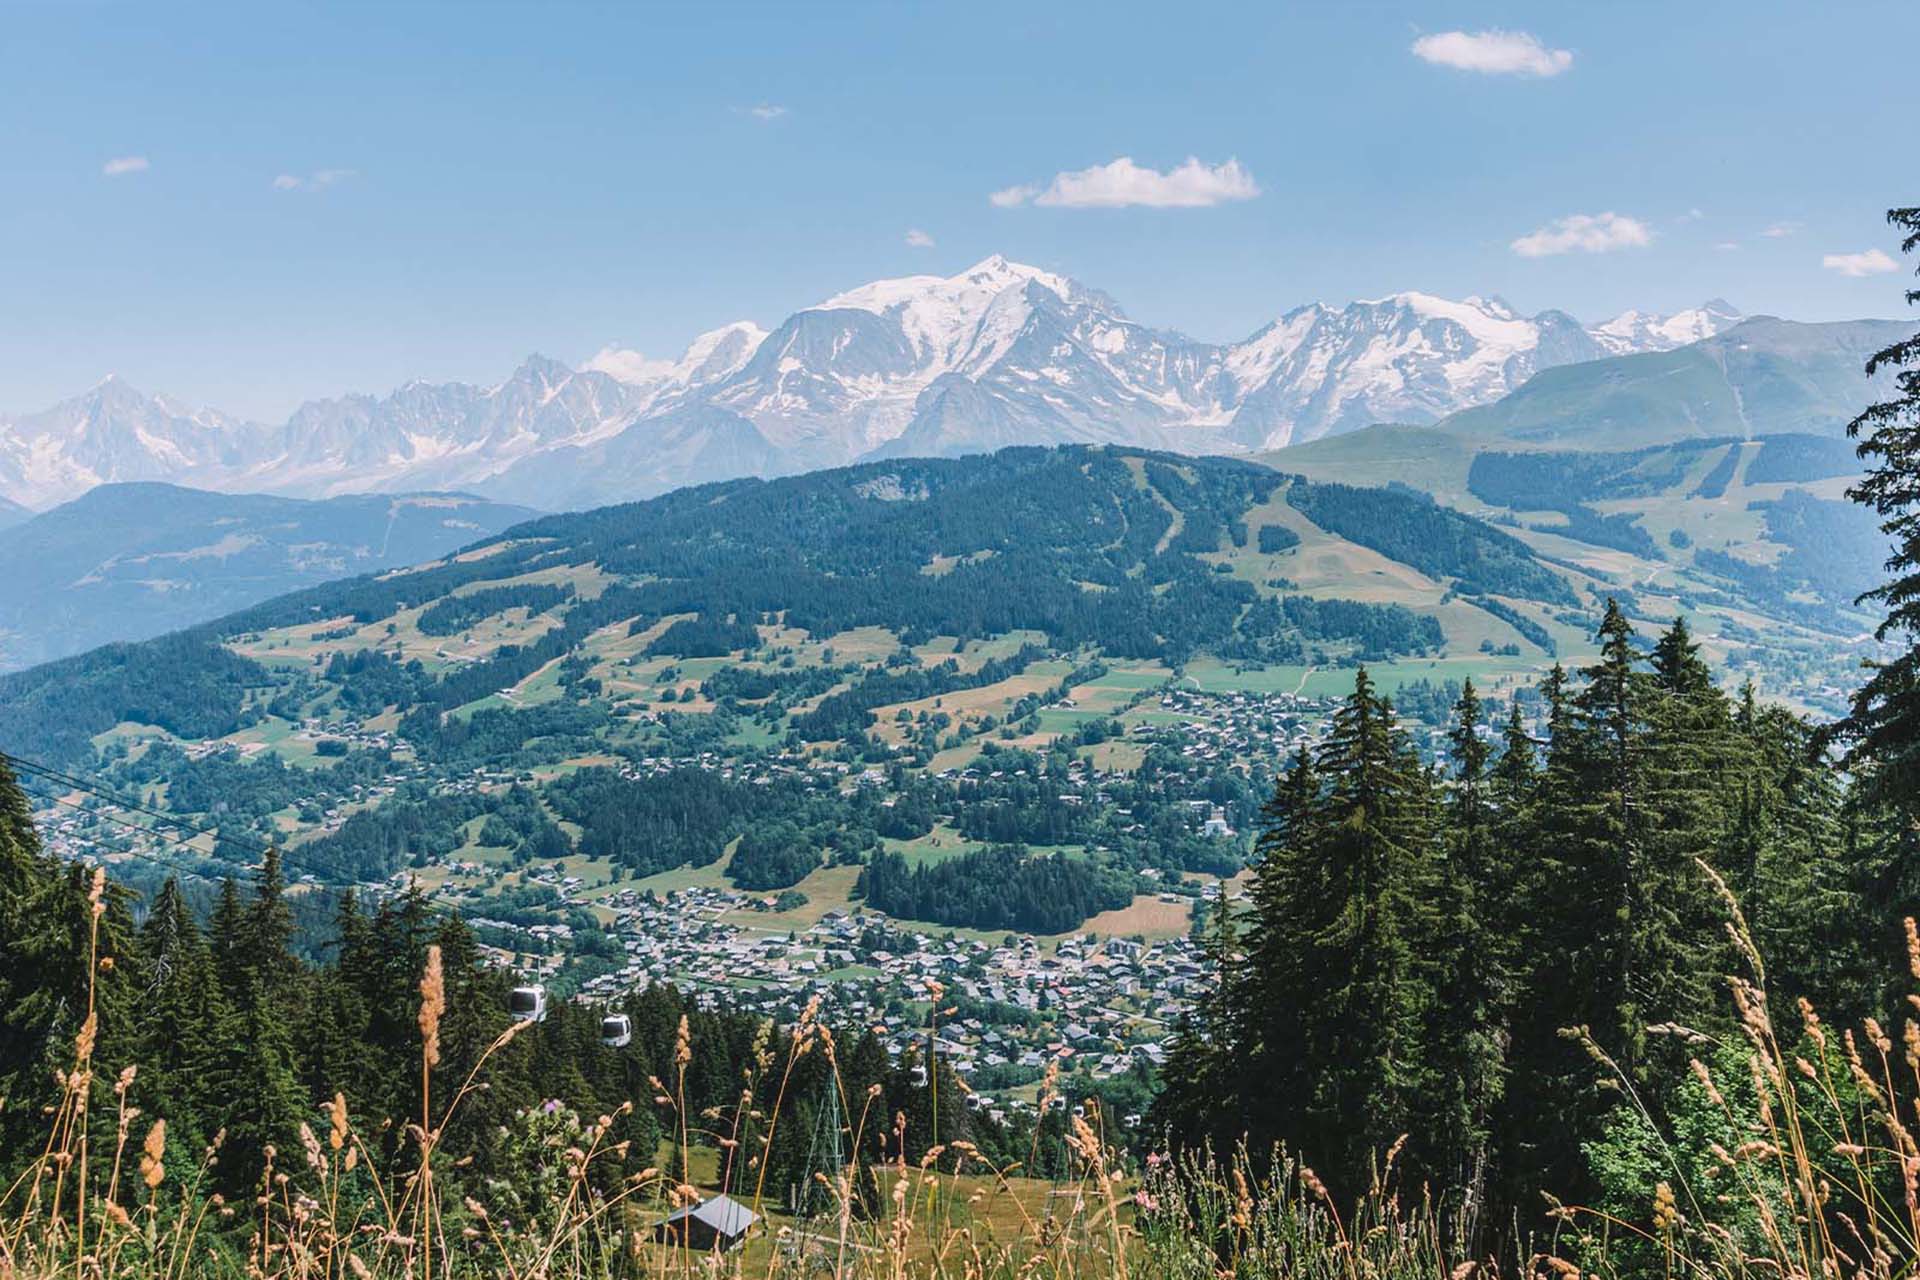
711, 356
1646, 331
940, 315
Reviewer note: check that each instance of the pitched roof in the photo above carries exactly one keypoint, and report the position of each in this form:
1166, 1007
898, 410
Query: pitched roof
727, 1216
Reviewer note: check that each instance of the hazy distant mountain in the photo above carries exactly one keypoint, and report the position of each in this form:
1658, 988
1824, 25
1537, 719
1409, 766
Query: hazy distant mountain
128, 561
114, 433
999, 354
1762, 377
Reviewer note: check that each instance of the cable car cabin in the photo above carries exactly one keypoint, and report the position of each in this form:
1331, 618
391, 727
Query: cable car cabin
1056, 1103
528, 1004
616, 1030
918, 1075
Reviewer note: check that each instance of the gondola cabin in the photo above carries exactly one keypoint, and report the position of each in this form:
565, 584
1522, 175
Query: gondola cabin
616, 1030
528, 1004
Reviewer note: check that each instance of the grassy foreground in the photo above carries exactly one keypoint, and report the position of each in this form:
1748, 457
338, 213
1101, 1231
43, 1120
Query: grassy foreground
1823, 1183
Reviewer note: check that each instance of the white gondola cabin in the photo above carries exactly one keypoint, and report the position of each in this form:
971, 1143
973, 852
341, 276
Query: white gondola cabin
616, 1030
528, 1004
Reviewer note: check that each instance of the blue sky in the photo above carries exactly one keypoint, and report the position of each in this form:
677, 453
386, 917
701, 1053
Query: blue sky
311, 200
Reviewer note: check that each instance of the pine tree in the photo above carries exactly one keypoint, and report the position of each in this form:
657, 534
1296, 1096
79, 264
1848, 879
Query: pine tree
1211, 1050
1466, 948
1344, 1031
1883, 727
1690, 764
183, 1011
267, 930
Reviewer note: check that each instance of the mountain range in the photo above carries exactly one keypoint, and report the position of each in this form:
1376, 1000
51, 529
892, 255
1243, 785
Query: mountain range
999, 354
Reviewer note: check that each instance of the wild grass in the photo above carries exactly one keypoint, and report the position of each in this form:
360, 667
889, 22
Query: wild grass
1822, 1183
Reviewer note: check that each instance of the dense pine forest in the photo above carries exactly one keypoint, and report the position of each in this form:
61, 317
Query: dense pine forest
1419, 942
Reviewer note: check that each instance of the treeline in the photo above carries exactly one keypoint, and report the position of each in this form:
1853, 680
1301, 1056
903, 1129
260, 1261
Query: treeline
1720, 475
453, 614
998, 888
1417, 944
849, 714
1560, 479
702, 637
1802, 459
1406, 525
1279, 629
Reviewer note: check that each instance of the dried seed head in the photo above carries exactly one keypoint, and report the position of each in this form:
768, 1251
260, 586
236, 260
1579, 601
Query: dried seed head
153, 1153
1665, 1215
433, 1003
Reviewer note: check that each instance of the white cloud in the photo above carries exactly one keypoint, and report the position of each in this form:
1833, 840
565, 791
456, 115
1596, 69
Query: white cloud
1871, 263
1691, 215
1584, 233
1780, 230
767, 111
119, 165
1192, 185
1727, 246
318, 180
1495, 53
918, 239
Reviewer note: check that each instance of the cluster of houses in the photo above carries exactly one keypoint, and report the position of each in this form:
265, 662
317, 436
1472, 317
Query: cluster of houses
1097, 1005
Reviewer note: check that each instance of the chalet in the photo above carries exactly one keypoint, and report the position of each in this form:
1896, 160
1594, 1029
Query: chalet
717, 1223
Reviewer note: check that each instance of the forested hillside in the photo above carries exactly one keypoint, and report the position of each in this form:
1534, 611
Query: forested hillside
904, 619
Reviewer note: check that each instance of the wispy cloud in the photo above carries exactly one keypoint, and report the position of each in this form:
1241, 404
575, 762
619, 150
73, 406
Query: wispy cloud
1192, 185
1781, 230
318, 180
1494, 53
1691, 215
766, 111
1727, 246
1584, 233
119, 166
1870, 263
918, 239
